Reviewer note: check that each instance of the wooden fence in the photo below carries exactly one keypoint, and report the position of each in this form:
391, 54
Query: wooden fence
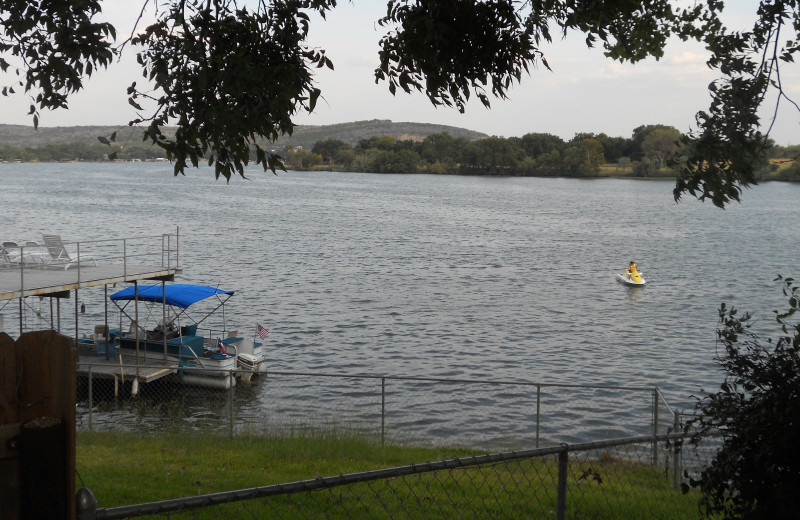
37, 426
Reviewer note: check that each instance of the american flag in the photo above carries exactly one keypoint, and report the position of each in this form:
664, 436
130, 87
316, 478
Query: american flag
220, 346
262, 332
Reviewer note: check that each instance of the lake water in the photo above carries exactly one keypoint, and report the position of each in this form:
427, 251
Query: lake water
443, 276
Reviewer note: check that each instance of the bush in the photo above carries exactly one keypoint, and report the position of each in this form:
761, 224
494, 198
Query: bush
790, 173
756, 474
645, 168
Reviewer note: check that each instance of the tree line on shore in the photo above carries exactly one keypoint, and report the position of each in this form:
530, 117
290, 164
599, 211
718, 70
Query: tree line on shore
651, 151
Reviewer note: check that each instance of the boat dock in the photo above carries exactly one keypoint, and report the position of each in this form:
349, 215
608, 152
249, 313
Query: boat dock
23, 282
123, 368
43, 270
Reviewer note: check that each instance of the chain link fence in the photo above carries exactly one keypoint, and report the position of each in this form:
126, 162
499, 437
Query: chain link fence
627, 478
492, 415
635, 477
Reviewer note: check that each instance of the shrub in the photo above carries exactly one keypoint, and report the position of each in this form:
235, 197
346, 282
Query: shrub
756, 474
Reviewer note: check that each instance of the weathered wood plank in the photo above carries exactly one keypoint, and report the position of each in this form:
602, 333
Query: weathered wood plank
46, 373
9, 472
43, 488
8, 370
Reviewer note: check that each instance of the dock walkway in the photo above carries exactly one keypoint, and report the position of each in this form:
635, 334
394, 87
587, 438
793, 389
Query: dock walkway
27, 281
125, 368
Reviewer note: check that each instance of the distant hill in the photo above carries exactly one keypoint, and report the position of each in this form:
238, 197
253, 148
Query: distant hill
304, 135
352, 133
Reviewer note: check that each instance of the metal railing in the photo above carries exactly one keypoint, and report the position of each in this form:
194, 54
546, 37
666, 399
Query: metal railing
158, 250
608, 479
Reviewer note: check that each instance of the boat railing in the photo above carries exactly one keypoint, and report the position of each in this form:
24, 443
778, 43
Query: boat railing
213, 334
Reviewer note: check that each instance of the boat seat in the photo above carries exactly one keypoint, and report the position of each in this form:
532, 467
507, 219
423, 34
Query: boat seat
189, 330
131, 333
100, 333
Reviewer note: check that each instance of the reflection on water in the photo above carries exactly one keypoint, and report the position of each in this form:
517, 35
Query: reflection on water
634, 293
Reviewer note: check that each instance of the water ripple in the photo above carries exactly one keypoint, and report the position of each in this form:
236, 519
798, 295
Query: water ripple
454, 277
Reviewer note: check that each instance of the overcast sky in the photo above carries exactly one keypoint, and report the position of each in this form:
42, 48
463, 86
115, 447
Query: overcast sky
585, 92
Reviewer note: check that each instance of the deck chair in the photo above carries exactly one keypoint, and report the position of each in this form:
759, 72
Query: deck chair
59, 256
5, 260
9, 254
34, 254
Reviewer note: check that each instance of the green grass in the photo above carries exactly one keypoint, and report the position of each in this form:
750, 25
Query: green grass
123, 469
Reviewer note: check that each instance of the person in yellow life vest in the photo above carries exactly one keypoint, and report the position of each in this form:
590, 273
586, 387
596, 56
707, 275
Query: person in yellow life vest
631, 270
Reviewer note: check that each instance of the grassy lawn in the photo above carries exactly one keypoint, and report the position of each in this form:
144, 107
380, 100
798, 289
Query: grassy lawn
123, 469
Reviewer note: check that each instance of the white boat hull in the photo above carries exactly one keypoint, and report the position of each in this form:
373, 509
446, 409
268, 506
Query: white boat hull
621, 278
221, 383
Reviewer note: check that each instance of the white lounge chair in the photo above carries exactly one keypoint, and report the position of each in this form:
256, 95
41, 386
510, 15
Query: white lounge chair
60, 257
10, 254
5, 260
33, 254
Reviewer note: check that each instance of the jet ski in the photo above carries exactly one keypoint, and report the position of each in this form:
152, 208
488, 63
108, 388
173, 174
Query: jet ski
632, 277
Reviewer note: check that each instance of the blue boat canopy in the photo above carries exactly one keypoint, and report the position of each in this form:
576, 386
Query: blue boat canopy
178, 295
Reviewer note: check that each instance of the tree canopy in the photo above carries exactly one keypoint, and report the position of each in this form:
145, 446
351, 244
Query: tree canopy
230, 74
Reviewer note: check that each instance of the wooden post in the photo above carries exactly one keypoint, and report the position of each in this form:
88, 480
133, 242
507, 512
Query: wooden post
42, 484
37, 426
9, 430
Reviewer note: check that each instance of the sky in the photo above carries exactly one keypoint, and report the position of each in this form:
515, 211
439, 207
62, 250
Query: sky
584, 92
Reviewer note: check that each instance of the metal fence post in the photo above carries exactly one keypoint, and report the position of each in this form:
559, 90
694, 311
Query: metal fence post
230, 398
538, 410
561, 496
677, 463
21, 288
655, 425
383, 411
90, 397
177, 246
